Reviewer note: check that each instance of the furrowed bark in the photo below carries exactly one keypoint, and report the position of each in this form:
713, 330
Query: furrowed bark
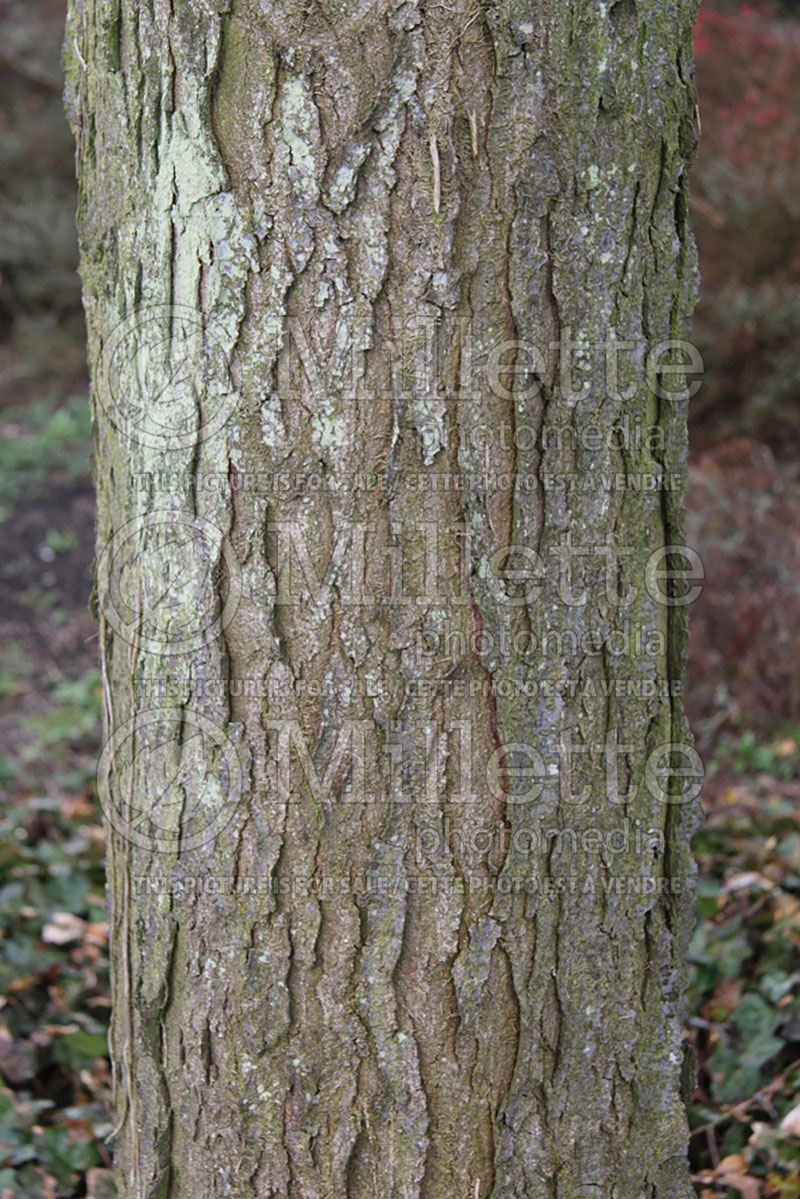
415, 975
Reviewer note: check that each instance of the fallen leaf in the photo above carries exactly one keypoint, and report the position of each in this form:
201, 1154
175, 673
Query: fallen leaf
24, 983
731, 1173
97, 934
63, 929
750, 878
61, 1030
790, 1124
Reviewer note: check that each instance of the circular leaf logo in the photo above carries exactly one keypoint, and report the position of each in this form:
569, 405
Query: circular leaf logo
166, 377
169, 583
169, 780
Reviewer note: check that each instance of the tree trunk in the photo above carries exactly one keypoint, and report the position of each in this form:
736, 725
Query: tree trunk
397, 781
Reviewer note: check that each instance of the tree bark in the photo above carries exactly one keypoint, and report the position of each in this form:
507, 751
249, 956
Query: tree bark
399, 868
